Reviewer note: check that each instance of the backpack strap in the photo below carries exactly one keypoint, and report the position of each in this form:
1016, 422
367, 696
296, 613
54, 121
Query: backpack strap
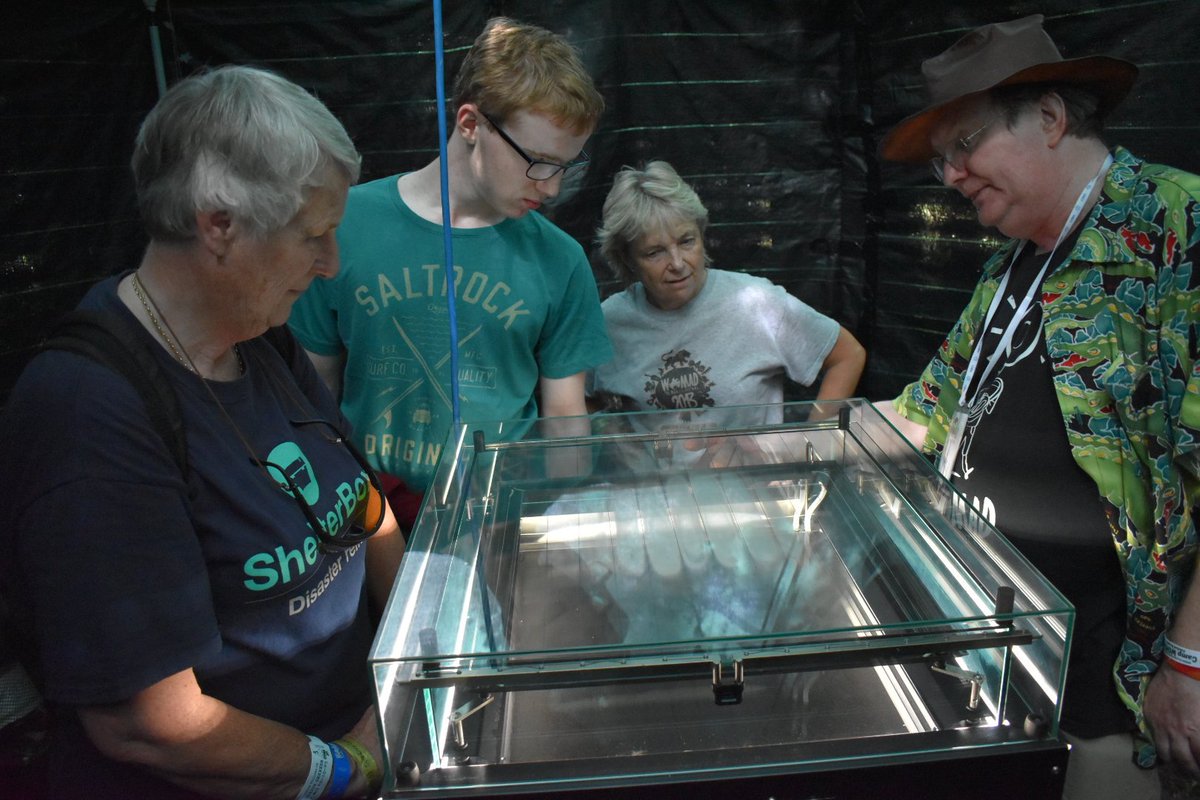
112, 340
117, 343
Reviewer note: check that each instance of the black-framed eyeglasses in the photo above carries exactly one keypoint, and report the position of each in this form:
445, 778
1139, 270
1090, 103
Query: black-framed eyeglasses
368, 514
956, 156
539, 170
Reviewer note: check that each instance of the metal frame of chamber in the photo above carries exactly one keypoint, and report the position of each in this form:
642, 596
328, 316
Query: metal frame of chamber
717, 597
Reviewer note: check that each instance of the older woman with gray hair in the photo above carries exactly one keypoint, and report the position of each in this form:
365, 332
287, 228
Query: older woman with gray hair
689, 336
201, 624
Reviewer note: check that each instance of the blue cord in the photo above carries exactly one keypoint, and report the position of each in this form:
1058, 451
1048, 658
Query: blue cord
447, 230
448, 246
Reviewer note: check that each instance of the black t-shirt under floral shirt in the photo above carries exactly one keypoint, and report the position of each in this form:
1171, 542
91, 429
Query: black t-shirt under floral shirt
1015, 465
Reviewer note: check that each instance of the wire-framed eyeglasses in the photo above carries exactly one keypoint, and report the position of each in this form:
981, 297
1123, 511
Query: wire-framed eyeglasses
539, 170
368, 513
956, 156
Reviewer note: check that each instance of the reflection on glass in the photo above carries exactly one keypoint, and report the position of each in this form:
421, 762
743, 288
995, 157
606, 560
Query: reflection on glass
789, 578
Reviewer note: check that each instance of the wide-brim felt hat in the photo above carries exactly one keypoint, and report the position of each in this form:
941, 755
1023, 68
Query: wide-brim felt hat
1000, 54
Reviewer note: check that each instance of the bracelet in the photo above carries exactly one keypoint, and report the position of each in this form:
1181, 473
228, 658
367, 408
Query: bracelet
1190, 658
341, 773
363, 758
1190, 671
320, 768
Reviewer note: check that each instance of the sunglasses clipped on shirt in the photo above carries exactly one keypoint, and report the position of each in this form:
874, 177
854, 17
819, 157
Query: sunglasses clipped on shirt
539, 170
368, 514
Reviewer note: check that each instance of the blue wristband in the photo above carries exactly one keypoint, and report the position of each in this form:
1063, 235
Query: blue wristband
342, 767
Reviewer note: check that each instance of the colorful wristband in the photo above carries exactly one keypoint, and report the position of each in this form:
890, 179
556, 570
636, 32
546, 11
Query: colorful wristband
1190, 658
341, 773
363, 758
1190, 671
320, 769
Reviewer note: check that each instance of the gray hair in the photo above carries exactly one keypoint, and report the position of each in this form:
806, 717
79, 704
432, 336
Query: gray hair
237, 139
641, 201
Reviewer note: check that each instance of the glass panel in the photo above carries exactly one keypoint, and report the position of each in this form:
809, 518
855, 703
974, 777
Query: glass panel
623, 595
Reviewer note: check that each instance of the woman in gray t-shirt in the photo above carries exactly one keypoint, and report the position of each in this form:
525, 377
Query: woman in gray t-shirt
688, 336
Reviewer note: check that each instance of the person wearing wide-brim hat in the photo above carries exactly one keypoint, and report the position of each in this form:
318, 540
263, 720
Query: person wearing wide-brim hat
1066, 398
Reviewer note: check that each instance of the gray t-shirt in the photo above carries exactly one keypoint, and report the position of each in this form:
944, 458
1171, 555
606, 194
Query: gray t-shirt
731, 345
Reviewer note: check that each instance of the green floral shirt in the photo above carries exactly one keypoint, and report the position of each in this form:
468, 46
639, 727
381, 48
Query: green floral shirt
1122, 330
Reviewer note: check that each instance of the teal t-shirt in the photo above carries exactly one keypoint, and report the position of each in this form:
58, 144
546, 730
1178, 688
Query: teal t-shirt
526, 303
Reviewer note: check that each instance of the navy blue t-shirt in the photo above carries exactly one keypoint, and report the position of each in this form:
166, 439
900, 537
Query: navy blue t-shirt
131, 575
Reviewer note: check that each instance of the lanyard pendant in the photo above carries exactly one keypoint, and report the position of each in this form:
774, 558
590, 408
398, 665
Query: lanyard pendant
958, 424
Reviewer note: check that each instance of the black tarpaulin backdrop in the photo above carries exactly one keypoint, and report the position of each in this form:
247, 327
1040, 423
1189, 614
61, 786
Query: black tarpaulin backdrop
772, 110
